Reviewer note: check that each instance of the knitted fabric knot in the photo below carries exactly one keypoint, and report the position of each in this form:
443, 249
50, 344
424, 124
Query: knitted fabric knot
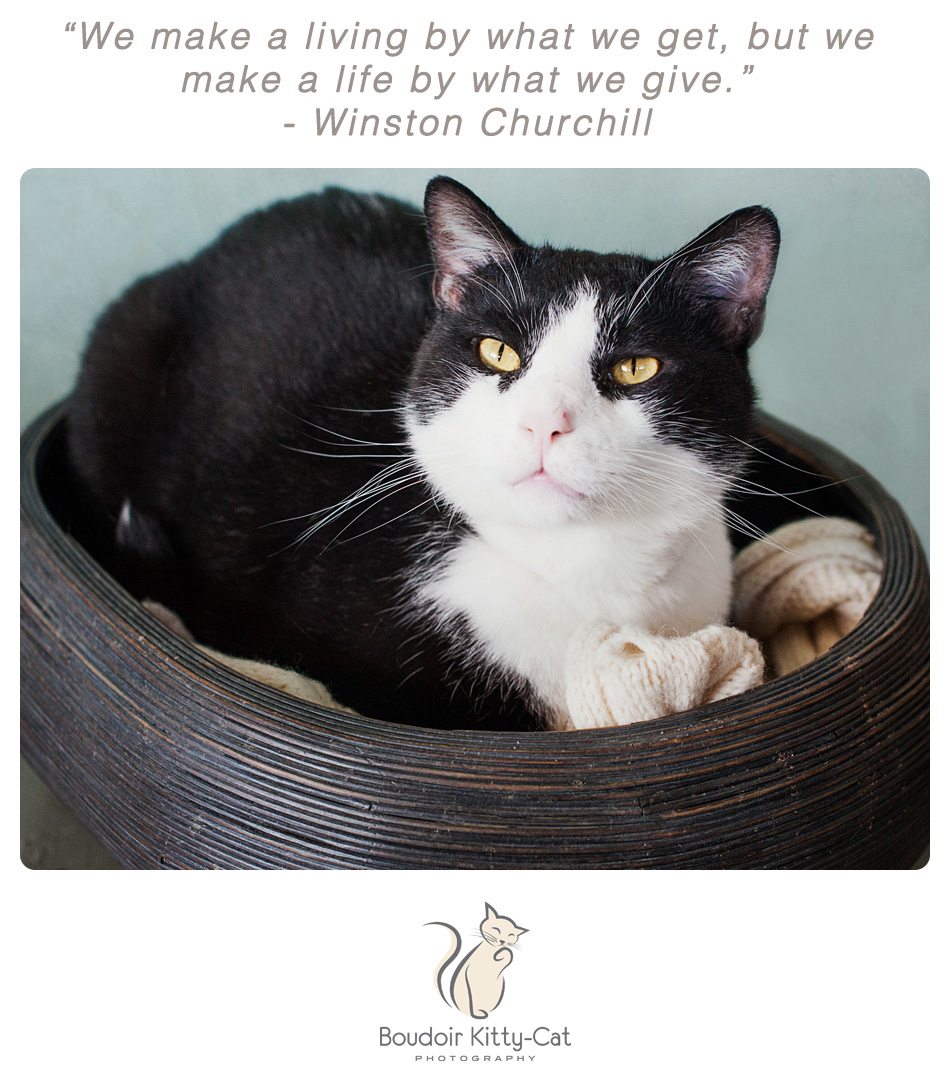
618, 675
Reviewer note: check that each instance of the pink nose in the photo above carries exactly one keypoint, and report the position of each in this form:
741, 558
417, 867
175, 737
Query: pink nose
545, 427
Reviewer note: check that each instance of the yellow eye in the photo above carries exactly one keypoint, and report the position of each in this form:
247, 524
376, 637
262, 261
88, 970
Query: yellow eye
634, 370
498, 356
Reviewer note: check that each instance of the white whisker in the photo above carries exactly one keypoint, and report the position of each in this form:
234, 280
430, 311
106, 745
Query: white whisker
330, 454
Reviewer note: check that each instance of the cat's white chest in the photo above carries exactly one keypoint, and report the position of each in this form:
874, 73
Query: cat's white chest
524, 593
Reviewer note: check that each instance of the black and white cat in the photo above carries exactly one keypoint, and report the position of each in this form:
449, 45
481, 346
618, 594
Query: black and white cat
410, 458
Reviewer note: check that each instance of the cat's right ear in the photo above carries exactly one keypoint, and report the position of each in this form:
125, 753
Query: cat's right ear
464, 235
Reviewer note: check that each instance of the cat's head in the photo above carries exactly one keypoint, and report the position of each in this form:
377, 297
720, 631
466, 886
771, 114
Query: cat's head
561, 386
499, 930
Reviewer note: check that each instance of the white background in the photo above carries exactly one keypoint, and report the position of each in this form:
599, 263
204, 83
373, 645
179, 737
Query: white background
671, 975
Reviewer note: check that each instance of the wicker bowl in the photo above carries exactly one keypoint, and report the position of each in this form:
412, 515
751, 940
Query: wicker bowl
175, 761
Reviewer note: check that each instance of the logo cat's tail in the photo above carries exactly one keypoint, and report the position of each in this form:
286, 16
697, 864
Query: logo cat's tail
447, 960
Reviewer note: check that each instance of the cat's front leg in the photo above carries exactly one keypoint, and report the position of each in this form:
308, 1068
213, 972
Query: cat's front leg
504, 957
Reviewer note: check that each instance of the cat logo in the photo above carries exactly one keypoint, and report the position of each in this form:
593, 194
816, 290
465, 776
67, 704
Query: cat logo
477, 983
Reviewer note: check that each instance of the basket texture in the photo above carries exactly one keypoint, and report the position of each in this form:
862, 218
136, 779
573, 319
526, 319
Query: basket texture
175, 761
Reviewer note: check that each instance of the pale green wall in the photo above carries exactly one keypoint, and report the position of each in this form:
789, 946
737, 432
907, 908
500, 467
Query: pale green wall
844, 354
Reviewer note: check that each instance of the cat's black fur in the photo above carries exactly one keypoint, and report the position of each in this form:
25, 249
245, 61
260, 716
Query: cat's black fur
297, 331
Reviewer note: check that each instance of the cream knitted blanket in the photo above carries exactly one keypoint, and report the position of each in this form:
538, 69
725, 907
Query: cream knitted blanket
795, 593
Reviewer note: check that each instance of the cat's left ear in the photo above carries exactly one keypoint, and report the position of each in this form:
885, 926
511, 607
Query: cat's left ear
465, 235
730, 267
